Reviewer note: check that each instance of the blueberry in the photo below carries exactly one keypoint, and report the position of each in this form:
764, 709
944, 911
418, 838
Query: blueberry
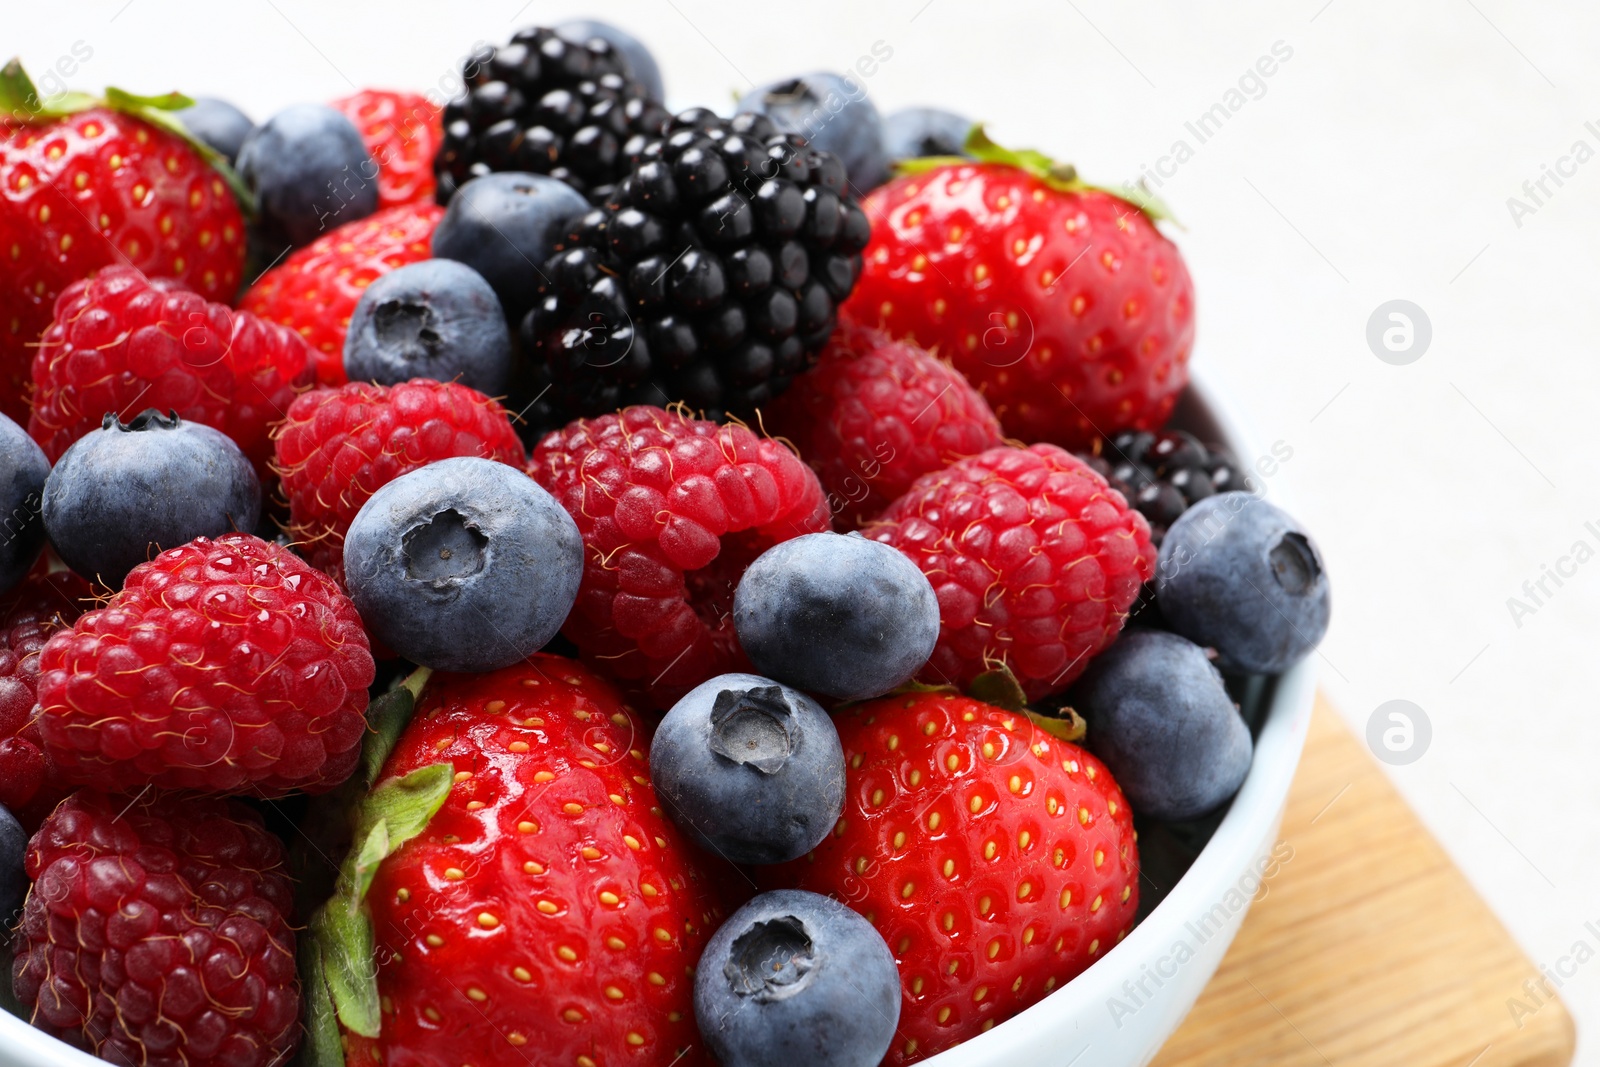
1161, 720
123, 493
1239, 575
463, 565
435, 319
310, 172
916, 132
641, 65
23, 470
836, 614
13, 879
217, 123
796, 978
505, 226
750, 769
834, 114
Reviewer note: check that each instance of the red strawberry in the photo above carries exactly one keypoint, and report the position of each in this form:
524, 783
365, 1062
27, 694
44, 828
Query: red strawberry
121, 342
339, 446
997, 861
85, 190
226, 666
157, 932
874, 415
41, 604
549, 910
1035, 560
314, 291
403, 132
672, 509
1063, 304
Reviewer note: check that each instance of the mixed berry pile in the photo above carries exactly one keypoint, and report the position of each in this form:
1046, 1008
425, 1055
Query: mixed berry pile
615, 589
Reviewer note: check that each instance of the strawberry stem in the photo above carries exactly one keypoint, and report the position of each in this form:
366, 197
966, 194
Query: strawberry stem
980, 147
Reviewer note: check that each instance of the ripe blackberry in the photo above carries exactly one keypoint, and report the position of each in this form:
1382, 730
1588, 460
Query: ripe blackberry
1164, 474
712, 276
545, 105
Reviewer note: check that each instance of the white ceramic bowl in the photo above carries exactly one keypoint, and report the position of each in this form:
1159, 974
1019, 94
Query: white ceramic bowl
1121, 1010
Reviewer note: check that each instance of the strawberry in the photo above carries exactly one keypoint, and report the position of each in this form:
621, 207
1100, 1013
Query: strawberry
402, 131
996, 860
316, 288
529, 898
84, 185
1062, 303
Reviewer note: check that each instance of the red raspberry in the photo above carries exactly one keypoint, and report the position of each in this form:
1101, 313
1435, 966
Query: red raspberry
226, 666
339, 446
875, 415
315, 290
672, 509
121, 342
996, 861
157, 931
403, 132
1065, 306
1034, 558
92, 189
41, 604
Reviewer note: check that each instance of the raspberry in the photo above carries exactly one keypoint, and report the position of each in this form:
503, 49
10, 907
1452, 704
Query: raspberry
121, 343
158, 932
315, 290
875, 415
339, 446
672, 509
1034, 558
41, 604
402, 131
226, 666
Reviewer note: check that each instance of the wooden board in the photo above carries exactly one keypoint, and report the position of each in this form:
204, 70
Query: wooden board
1369, 949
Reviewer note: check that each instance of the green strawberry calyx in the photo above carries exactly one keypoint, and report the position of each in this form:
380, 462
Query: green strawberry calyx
20, 101
337, 958
980, 147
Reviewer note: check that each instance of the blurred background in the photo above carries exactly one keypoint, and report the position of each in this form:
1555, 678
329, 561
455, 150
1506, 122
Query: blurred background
1444, 153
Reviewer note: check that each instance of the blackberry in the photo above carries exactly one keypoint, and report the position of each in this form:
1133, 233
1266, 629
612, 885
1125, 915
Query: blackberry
712, 276
545, 105
1164, 474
